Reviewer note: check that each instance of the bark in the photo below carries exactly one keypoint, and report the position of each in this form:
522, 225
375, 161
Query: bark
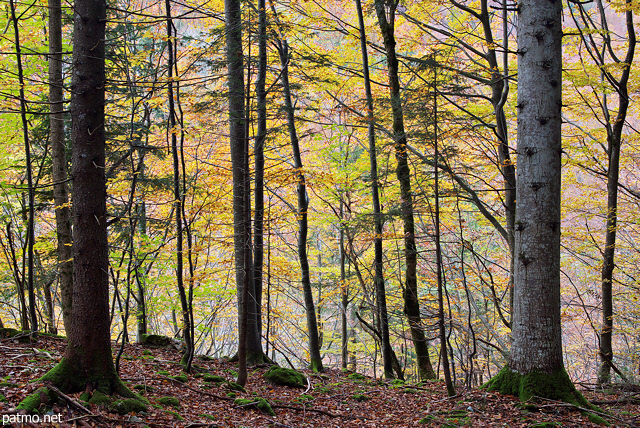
499, 93
177, 194
614, 142
537, 342
303, 207
446, 369
344, 293
88, 362
59, 163
235, 70
29, 175
412, 308
535, 365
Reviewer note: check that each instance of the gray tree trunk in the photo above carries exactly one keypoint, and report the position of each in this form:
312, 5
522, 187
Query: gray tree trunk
535, 366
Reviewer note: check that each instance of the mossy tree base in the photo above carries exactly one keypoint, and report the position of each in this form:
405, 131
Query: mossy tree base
555, 386
70, 378
316, 365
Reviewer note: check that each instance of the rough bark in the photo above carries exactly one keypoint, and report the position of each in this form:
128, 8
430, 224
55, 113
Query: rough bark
535, 365
88, 362
59, 163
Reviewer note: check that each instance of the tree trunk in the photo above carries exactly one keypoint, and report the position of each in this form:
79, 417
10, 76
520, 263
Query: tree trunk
27, 148
88, 362
59, 162
241, 238
303, 206
614, 141
535, 366
412, 307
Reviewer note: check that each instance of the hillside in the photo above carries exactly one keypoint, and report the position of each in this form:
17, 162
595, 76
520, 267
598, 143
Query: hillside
333, 399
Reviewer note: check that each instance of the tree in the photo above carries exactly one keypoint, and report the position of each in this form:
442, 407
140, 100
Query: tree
59, 162
88, 363
535, 366
239, 166
598, 42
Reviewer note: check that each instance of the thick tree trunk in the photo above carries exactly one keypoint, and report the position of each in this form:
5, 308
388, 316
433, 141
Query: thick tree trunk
535, 366
303, 206
59, 162
88, 362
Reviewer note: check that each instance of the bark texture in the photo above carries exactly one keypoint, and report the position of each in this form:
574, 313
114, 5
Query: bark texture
537, 341
59, 163
88, 362
535, 366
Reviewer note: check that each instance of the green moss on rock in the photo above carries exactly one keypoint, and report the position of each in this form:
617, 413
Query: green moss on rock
169, 401
356, 376
182, 378
128, 405
164, 373
213, 378
360, 397
42, 396
234, 386
259, 403
285, 377
156, 341
232, 394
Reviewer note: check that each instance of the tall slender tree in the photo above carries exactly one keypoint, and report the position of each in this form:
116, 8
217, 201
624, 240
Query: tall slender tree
59, 162
237, 142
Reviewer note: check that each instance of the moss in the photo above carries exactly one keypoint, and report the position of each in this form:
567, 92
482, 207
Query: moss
356, 376
359, 397
182, 378
32, 404
212, 378
8, 385
164, 373
285, 377
409, 391
427, 419
232, 394
128, 405
99, 399
259, 403
597, 420
146, 352
206, 358
316, 365
555, 386
169, 401
234, 386
85, 396
156, 341
210, 417
175, 414
2, 399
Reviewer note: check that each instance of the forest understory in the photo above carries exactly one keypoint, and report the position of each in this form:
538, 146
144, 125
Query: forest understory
330, 399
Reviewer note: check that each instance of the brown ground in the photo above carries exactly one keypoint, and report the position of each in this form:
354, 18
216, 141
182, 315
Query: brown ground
331, 401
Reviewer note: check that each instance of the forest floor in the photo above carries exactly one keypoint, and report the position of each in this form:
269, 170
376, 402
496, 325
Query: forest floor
333, 399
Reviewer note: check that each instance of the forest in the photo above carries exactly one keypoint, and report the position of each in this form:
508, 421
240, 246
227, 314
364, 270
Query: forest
403, 194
